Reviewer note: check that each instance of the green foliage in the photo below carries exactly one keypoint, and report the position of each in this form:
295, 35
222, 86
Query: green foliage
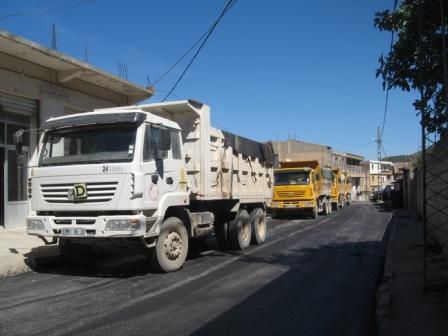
401, 67
402, 158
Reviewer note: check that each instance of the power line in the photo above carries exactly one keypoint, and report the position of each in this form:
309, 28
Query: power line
229, 4
388, 86
39, 14
188, 51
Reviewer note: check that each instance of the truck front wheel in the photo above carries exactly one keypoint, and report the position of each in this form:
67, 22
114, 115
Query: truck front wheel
315, 212
258, 222
171, 246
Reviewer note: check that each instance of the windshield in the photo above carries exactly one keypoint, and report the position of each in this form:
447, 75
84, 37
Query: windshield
287, 178
85, 145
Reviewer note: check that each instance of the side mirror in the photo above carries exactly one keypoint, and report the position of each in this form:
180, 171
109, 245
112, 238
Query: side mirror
165, 140
18, 142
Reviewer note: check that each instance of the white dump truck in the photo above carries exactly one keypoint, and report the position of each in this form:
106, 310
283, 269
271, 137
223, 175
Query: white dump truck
156, 174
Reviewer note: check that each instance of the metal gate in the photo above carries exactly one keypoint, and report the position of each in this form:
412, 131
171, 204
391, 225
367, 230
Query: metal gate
434, 154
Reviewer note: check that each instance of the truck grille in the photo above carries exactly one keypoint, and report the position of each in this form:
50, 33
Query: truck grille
291, 194
97, 192
77, 221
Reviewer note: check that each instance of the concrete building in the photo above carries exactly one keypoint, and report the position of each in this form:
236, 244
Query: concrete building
37, 83
380, 174
295, 150
302, 151
357, 175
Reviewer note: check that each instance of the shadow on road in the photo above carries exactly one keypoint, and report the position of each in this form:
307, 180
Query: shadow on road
118, 263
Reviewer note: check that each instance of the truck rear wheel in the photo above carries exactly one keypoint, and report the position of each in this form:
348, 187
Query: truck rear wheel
326, 210
171, 247
341, 202
258, 223
221, 234
240, 231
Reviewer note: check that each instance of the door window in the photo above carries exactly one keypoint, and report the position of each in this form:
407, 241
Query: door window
151, 147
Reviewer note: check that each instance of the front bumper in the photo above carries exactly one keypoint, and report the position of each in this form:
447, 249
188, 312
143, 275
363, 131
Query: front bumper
92, 227
293, 204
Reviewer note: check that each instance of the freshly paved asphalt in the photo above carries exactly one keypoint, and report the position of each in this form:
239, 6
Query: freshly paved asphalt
311, 277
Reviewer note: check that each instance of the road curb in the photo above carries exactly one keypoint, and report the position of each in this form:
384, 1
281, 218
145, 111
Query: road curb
18, 263
383, 294
12, 265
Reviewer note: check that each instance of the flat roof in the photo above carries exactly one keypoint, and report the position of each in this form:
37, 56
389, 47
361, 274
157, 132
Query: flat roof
69, 68
354, 156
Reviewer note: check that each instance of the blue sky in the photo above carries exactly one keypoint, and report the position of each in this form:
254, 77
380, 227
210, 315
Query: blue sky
272, 69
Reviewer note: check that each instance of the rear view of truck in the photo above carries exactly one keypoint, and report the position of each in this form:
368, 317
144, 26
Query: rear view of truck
340, 190
301, 187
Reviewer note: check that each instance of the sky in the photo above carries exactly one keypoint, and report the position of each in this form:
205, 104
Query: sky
272, 70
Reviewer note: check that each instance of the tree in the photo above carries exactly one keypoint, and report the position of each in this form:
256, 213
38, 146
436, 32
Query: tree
416, 62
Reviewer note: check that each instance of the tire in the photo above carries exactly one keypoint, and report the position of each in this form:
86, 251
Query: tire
326, 211
240, 231
341, 202
222, 235
315, 212
258, 224
171, 247
348, 200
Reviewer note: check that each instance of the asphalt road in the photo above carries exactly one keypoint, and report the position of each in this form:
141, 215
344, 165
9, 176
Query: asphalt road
311, 277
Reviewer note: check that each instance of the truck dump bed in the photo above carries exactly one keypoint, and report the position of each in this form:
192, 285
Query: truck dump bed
219, 164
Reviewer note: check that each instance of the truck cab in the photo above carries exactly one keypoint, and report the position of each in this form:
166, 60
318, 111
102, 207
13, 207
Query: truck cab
300, 186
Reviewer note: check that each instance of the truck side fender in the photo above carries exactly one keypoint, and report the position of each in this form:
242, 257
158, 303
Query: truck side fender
168, 201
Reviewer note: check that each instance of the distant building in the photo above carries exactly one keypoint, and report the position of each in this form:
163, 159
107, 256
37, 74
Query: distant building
380, 174
400, 167
301, 151
37, 83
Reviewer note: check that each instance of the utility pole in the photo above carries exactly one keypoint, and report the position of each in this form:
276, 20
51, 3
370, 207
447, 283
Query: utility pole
86, 53
379, 147
53, 38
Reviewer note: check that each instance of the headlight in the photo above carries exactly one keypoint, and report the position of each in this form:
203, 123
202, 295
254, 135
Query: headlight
35, 224
122, 225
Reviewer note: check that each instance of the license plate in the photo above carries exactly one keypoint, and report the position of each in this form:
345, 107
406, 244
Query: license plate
73, 232
290, 206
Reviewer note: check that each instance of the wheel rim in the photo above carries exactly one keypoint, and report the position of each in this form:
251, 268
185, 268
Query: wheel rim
261, 227
173, 245
245, 231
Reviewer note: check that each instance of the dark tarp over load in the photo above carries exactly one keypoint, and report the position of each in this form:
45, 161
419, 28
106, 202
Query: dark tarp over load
263, 151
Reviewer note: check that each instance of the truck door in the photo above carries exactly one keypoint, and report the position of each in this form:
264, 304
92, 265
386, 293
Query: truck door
162, 162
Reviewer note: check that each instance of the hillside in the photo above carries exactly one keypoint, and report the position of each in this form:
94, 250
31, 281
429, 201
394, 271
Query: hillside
402, 157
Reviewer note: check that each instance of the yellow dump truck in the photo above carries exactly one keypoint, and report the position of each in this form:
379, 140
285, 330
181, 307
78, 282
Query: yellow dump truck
301, 186
340, 190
